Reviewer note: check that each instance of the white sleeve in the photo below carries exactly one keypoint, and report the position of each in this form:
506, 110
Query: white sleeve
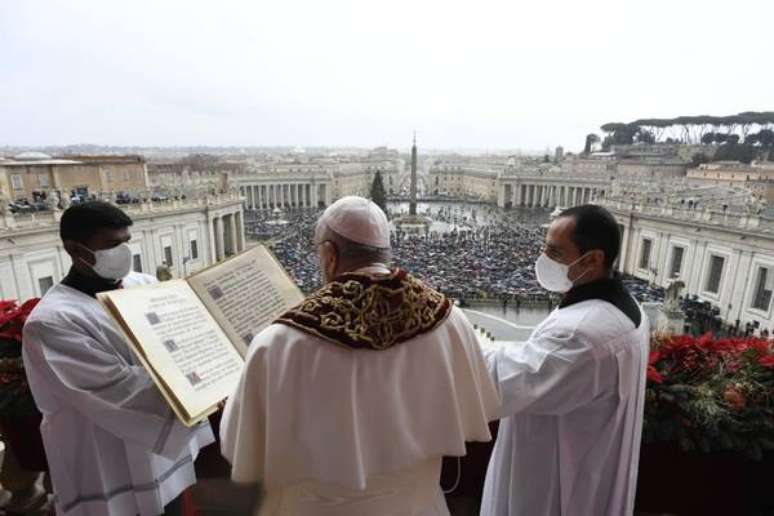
548, 374
119, 397
243, 425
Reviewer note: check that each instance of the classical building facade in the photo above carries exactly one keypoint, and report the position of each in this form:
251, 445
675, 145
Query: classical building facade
314, 183
30, 174
723, 252
756, 177
186, 234
288, 188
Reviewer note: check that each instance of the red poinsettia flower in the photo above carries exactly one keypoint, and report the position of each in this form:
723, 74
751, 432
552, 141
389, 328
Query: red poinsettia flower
13, 317
654, 376
767, 361
761, 346
734, 398
26, 309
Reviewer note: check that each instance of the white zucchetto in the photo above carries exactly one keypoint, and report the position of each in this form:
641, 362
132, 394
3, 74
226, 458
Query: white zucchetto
359, 220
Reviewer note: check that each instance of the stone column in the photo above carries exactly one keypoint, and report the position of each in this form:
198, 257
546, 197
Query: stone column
211, 246
219, 234
233, 231
240, 232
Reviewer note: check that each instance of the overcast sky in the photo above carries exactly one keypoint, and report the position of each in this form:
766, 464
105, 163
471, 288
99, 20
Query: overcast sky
466, 74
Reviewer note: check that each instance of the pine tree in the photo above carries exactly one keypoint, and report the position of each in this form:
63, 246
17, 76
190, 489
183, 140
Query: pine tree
378, 194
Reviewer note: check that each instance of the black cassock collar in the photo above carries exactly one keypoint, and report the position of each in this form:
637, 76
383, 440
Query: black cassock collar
89, 285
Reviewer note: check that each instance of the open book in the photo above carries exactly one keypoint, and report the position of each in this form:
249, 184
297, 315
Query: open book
192, 334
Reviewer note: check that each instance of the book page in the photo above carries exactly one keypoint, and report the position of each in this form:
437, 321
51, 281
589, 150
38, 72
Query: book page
246, 293
180, 343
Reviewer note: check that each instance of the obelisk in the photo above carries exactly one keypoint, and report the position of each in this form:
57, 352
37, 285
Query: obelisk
413, 191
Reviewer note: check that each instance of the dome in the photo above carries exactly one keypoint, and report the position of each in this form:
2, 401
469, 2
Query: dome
31, 156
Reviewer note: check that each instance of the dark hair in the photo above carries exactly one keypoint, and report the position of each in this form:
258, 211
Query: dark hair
595, 228
81, 221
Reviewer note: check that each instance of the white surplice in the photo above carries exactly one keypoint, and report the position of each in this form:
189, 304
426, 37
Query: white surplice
113, 445
334, 431
572, 407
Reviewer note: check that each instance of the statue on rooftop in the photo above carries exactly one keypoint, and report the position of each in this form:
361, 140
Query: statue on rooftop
54, 202
5, 205
672, 295
163, 273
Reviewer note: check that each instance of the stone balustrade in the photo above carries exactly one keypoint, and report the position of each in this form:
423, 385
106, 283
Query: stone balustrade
743, 221
18, 222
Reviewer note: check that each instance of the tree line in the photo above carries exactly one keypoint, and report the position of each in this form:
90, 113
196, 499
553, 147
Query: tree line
742, 135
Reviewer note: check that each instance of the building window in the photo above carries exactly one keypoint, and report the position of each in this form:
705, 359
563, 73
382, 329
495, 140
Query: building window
16, 182
715, 273
168, 255
137, 263
763, 289
45, 283
645, 253
194, 250
43, 181
677, 262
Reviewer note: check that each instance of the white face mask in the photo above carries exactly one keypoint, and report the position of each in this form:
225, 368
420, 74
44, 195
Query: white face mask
114, 263
552, 275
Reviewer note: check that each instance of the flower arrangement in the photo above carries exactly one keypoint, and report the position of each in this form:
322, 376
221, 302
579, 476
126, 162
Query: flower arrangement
15, 397
19, 416
711, 394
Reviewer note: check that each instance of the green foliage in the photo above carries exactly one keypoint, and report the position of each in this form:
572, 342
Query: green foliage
591, 139
736, 152
645, 136
620, 131
764, 138
711, 395
698, 158
378, 193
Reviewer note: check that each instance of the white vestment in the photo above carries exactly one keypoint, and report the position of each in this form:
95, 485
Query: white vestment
113, 445
335, 431
572, 407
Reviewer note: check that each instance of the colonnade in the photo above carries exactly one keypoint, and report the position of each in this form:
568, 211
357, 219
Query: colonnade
547, 195
227, 235
284, 195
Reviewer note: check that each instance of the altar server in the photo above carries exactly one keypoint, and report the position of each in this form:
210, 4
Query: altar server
572, 395
114, 446
349, 400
